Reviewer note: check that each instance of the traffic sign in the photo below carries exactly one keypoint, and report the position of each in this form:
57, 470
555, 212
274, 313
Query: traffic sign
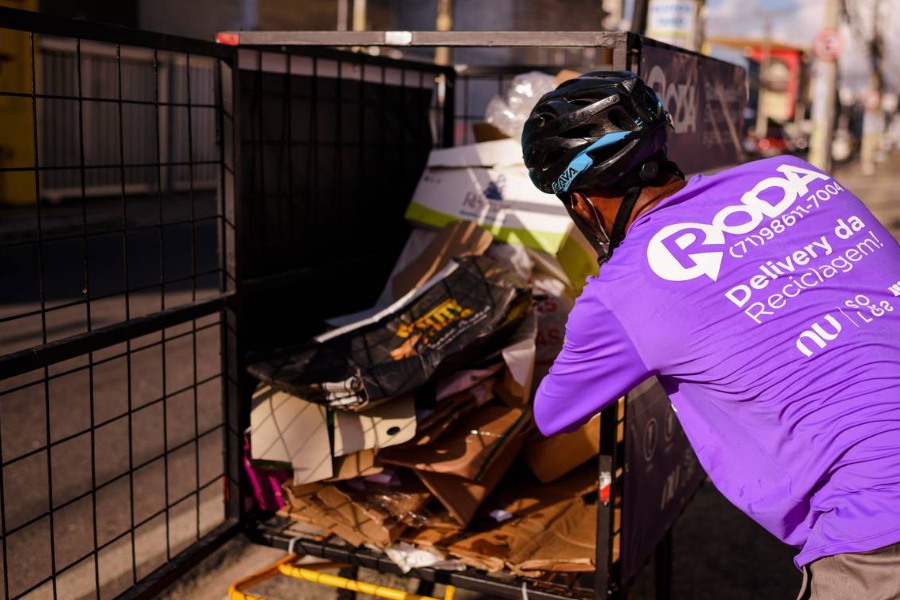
828, 45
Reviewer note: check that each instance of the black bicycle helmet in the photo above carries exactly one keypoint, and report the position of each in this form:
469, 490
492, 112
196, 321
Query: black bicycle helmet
594, 132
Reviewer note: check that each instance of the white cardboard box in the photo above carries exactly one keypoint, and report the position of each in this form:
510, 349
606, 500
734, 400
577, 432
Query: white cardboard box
488, 184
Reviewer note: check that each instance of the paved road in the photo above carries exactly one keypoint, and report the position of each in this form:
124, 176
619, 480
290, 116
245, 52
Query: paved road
880, 192
78, 394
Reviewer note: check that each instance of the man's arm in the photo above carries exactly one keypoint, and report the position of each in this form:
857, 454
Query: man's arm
597, 365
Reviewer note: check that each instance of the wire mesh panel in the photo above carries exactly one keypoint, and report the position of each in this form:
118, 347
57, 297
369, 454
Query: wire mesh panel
114, 248
332, 145
145, 75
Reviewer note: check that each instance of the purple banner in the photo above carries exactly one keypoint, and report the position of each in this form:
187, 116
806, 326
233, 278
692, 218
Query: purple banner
661, 473
706, 98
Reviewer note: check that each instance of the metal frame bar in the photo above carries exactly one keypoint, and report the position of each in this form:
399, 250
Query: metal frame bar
501, 587
24, 361
452, 39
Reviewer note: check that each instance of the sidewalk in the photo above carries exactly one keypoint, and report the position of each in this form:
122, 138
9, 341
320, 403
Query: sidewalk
880, 192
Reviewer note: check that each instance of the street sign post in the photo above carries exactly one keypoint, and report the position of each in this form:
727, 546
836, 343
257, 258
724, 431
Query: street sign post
828, 45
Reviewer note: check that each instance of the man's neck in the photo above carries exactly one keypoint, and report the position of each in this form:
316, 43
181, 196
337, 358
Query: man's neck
608, 205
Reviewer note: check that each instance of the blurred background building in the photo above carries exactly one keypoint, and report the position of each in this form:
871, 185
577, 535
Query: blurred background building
821, 76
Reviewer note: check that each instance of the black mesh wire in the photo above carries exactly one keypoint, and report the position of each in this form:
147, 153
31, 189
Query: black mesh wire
113, 195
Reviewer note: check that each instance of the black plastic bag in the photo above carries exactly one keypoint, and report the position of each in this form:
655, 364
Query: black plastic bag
467, 307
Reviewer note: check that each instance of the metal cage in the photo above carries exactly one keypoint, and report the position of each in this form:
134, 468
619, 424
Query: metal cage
180, 206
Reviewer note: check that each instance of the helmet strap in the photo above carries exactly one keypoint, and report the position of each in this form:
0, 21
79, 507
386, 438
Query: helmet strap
622, 217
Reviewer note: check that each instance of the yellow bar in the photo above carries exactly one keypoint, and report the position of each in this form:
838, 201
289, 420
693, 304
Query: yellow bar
449, 592
350, 584
235, 591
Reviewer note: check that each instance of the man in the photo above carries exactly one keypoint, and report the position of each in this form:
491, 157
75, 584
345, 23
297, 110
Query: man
766, 298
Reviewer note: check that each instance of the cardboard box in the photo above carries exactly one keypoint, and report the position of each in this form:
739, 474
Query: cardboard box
462, 497
488, 184
551, 458
468, 449
553, 528
288, 429
464, 464
388, 424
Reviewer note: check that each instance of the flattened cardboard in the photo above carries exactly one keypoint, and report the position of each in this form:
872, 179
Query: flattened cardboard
569, 544
551, 458
354, 519
444, 416
388, 424
359, 464
288, 429
462, 497
386, 504
468, 448
454, 239
376, 530
551, 530
304, 505
519, 356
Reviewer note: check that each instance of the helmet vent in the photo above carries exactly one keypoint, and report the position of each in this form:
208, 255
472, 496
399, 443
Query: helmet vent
620, 119
587, 131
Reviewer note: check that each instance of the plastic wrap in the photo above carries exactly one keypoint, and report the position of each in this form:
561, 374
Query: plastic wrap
408, 557
508, 113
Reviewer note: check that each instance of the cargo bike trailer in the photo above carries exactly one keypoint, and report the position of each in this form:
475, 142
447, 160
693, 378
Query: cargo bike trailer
183, 204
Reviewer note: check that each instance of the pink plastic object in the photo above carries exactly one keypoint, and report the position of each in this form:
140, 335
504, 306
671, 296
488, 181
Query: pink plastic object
266, 482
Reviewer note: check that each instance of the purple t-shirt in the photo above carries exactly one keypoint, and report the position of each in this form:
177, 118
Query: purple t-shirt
766, 298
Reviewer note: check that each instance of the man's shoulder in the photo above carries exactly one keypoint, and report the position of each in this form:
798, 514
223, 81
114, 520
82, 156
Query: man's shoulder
769, 164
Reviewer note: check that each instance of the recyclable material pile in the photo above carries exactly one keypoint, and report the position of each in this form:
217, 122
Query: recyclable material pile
408, 427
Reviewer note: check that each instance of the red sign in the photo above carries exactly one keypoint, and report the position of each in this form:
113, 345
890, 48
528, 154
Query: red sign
828, 45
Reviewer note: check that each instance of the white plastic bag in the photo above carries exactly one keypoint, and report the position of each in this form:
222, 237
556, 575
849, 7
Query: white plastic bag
509, 113
408, 557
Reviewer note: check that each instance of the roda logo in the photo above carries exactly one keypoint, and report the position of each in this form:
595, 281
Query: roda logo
685, 251
680, 99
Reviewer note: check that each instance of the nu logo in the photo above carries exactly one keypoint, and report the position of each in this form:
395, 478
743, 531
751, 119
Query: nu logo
818, 335
895, 289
